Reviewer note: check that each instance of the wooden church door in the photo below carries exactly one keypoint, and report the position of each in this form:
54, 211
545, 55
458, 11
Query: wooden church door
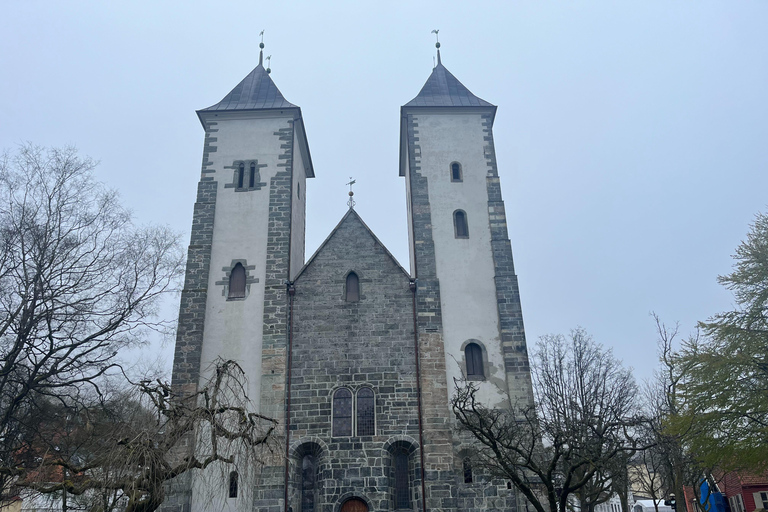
354, 505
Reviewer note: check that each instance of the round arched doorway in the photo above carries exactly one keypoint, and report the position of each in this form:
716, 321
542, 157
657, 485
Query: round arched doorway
354, 505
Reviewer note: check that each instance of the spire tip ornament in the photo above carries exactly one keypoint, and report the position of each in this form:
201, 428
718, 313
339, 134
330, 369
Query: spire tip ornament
351, 202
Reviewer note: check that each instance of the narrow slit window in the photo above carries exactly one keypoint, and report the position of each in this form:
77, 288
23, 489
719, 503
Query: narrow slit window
237, 282
233, 484
467, 471
402, 480
456, 172
473, 355
252, 176
352, 288
342, 412
366, 414
460, 224
240, 175
308, 476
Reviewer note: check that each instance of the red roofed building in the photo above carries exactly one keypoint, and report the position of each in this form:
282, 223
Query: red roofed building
745, 492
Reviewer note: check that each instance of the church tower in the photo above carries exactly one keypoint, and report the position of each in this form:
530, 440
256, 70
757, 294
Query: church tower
468, 304
247, 242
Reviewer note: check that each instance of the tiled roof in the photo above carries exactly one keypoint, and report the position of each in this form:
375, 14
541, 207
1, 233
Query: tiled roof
442, 89
256, 91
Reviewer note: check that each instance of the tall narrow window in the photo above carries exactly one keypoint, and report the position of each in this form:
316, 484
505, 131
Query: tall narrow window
366, 416
252, 176
402, 480
240, 175
342, 412
237, 282
460, 224
473, 355
352, 288
467, 471
233, 484
308, 475
456, 172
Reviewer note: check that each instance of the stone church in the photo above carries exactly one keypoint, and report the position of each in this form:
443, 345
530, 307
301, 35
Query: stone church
352, 353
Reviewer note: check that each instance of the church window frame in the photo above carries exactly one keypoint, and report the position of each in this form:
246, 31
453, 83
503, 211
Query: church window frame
233, 484
308, 483
352, 287
475, 360
252, 176
456, 172
402, 484
240, 175
460, 224
466, 466
342, 417
237, 282
365, 413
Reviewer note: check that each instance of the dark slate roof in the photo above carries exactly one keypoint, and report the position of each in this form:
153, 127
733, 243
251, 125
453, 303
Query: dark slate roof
256, 91
444, 90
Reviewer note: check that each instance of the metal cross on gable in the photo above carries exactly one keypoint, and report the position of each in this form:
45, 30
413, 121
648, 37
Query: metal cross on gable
351, 202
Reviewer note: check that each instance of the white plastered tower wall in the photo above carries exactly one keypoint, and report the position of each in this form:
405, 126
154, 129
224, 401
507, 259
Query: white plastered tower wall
254, 218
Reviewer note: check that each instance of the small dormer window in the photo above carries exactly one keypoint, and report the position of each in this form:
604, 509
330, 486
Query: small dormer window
456, 175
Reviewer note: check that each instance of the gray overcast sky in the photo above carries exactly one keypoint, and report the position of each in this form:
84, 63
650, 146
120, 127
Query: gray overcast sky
632, 137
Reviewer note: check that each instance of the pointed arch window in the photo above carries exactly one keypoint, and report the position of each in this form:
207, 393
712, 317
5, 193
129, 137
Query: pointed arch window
402, 479
240, 175
352, 288
473, 355
237, 282
460, 224
342, 412
366, 413
456, 174
308, 479
233, 484
252, 176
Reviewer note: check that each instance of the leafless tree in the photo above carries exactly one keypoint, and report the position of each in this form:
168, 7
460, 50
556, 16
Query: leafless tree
583, 419
120, 454
78, 282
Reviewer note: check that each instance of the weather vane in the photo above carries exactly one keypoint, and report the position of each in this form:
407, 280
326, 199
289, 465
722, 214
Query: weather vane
269, 60
261, 44
351, 202
437, 38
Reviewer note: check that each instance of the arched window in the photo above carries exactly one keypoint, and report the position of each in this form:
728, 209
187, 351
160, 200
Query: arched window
240, 175
366, 415
352, 288
456, 172
473, 355
308, 477
402, 479
342, 412
233, 484
237, 282
460, 224
467, 471
252, 176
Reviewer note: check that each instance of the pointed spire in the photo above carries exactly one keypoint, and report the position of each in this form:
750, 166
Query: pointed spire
261, 49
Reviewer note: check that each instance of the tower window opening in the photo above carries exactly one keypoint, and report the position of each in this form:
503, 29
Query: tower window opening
233, 484
473, 356
240, 175
252, 176
402, 480
366, 414
456, 175
460, 224
342, 412
308, 476
237, 282
467, 471
352, 288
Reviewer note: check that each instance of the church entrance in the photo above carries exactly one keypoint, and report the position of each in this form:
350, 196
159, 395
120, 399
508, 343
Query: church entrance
354, 505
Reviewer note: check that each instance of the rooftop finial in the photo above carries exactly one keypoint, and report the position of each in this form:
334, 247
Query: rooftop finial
437, 44
351, 202
269, 59
261, 48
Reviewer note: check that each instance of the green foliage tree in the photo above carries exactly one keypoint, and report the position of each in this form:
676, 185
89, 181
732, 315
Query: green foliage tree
726, 387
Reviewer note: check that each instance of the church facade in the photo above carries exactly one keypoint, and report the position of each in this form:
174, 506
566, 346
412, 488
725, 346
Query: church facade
354, 355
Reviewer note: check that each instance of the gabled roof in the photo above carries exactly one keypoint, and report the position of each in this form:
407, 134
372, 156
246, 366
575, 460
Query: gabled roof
256, 91
351, 214
442, 89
